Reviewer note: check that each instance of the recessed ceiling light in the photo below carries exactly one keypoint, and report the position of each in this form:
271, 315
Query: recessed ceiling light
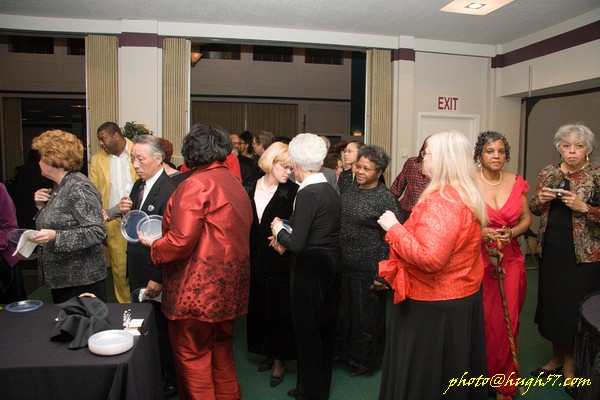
474, 8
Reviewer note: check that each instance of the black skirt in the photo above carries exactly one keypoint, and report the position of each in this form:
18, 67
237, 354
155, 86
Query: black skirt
563, 284
429, 344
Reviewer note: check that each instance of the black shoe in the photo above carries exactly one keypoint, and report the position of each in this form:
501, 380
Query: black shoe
570, 391
543, 372
169, 390
293, 392
266, 365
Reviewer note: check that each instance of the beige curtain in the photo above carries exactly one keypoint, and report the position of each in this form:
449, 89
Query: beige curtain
12, 136
101, 53
176, 92
379, 101
281, 119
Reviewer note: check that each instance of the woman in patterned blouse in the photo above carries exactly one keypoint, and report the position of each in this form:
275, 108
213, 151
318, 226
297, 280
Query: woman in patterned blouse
70, 223
569, 236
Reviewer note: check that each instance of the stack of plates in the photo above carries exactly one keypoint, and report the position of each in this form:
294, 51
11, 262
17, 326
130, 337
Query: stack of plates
111, 342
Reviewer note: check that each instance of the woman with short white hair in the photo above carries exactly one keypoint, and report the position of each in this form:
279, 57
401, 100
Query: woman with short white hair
315, 266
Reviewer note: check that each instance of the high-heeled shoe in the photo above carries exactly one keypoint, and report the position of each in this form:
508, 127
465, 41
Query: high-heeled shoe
266, 365
543, 372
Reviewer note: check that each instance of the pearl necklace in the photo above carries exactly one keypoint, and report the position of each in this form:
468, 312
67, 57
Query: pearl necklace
265, 188
489, 183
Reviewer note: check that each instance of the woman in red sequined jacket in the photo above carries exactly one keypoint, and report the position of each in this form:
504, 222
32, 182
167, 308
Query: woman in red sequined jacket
436, 270
205, 254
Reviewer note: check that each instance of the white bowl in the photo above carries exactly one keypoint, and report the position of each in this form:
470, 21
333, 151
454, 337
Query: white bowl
111, 342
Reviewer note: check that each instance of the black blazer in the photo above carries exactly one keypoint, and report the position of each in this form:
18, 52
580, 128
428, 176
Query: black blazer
140, 268
262, 256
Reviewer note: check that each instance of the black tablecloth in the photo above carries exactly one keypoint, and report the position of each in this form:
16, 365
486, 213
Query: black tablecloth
33, 367
587, 348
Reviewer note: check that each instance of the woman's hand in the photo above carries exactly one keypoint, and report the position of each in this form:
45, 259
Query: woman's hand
504, 234
378, 286
41, 196
387, 220
125, 204
145, 239
572, 201
275, 221
547, 194
489, 234
276, 245
44, 236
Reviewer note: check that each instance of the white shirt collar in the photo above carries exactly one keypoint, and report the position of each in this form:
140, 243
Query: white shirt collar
312, 179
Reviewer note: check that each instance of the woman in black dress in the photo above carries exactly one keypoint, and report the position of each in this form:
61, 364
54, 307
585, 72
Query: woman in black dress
269, 320
315, 267
569, 236
362, 311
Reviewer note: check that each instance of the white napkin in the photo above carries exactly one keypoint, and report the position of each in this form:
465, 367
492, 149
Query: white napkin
143, 296
26, 246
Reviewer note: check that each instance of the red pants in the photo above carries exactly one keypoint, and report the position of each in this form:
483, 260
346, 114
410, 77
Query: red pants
204, 360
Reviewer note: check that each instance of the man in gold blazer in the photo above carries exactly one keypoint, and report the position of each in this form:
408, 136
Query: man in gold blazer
113, 174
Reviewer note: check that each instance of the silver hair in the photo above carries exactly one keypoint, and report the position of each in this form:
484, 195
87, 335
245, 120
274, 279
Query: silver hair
580, 131
156, 148
308, 151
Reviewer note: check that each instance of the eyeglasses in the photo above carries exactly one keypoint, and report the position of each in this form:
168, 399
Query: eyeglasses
363, 168
424, 153
287, 167
238, 143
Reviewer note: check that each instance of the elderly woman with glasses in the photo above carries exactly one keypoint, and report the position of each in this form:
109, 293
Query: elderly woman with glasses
269, 320
315, 266
362, 311
569, 232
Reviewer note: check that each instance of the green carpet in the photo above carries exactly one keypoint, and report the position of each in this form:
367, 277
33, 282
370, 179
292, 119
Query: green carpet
534, 351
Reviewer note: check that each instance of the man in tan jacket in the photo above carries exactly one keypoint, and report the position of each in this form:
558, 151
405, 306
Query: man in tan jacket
113, 174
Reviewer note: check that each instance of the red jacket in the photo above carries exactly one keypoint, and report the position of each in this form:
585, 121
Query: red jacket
436, 254
205, 249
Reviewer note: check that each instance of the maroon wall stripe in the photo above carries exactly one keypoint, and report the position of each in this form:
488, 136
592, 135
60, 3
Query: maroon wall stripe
131, 39
403, 55
576, 37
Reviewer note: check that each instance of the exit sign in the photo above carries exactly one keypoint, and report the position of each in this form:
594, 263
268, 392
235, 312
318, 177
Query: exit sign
447, 103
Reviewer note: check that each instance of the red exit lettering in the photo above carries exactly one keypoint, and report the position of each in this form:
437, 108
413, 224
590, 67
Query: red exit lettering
447, 103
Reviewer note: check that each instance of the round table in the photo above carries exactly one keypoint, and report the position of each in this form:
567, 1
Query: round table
587, 347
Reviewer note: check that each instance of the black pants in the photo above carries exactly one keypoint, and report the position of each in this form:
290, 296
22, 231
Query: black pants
63, 294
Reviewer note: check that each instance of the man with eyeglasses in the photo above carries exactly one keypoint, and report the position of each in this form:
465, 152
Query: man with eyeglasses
248, 167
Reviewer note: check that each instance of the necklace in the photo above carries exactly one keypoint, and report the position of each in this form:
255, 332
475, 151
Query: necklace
265, 188
489, 183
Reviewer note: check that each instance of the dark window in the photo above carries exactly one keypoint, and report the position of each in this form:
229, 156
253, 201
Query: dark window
31, 44
76, 47
270, 53
321, 56
219, 51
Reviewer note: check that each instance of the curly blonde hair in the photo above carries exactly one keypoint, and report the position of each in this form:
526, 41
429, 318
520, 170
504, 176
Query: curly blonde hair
59, 149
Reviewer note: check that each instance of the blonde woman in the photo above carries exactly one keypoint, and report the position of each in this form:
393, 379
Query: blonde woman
436, 270
269, 321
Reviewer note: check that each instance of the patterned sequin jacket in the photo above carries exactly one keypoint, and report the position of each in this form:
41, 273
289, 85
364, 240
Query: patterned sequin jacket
76, 257
205, 250
586, 227
436, 254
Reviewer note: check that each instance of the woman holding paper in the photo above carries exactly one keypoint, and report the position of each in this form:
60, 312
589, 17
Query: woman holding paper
70, 223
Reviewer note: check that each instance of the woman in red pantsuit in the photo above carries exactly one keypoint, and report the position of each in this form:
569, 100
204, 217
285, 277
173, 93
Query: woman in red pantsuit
206, 267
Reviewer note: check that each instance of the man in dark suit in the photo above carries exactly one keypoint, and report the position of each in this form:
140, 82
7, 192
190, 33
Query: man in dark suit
150, 194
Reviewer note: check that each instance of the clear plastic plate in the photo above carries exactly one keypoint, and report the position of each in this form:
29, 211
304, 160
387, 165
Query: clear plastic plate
14, 235
24, 306
110, 342
151, 225
129, 225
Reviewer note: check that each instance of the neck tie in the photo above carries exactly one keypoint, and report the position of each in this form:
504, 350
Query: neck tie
140, 196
